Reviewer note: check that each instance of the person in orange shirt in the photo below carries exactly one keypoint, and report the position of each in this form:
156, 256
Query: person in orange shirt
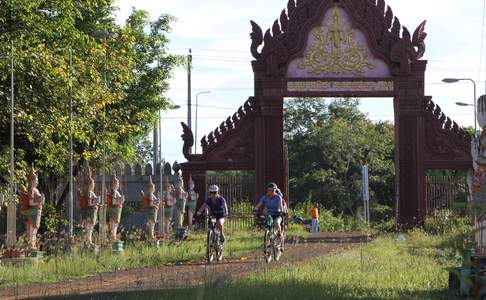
314, 212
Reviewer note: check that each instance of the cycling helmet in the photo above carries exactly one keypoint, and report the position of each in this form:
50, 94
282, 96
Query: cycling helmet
272, 185
213, 188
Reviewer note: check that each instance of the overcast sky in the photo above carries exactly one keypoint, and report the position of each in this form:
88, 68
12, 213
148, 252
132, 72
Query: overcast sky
218, 33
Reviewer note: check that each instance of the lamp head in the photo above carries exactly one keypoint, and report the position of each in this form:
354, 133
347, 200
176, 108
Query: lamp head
450, 80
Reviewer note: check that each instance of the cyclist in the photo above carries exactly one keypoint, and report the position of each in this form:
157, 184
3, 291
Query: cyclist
273, 203
285, 209
217, 208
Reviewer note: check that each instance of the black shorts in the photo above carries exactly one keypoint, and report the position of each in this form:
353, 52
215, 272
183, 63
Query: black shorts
218, 216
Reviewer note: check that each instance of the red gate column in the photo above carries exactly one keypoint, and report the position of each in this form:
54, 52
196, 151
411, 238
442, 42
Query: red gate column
269, 165
409, 145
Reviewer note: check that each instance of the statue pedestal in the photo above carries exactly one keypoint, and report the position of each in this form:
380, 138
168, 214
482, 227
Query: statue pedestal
18, 258
34, 254
117, 247
154, 243
95, 249
20, 261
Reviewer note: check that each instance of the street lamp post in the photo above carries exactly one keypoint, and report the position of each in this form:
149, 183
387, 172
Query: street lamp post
71, 181
12, 208
454, 80
197, 105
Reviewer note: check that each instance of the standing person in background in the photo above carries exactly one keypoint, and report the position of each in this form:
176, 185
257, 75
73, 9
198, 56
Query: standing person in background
314, 213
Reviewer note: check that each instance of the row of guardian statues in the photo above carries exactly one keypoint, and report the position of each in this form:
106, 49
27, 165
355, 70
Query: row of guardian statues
175, 200
173, 205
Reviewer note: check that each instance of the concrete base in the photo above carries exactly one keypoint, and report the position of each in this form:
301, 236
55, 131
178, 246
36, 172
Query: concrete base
18, 261
154, 243
95, 249
117, 246
35, 254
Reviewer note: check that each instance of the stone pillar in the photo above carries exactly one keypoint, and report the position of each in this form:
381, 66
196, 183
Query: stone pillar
11, 223
269, 151
409, 145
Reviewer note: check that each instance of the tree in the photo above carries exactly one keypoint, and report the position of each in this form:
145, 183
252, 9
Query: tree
328, 143
118, 80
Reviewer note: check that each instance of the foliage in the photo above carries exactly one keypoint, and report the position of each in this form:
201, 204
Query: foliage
117, 82
329, 221
51, 221
144, 153
328, 144
446, 221
129, 208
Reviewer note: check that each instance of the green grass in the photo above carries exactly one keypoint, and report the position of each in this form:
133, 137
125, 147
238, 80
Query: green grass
387, 268
79, 265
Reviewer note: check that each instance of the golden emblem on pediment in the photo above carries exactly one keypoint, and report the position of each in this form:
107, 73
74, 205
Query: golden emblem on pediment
336, 51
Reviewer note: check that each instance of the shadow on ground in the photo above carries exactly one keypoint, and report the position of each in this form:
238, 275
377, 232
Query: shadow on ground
287, 291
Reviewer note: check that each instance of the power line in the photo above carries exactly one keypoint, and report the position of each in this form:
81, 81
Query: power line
209, 50
211, 106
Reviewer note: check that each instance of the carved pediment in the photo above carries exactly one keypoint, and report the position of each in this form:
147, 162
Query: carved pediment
337, 49
304, 36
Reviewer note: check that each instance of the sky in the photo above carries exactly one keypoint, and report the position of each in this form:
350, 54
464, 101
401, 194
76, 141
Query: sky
218, 32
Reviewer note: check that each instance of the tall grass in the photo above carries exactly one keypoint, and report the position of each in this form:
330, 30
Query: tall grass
414, 266
139, 255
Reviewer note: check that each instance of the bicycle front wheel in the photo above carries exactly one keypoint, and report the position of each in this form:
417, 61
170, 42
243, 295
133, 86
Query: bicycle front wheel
219, 250
209, 246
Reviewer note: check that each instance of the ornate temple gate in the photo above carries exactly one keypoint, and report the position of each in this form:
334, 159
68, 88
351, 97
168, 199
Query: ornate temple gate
336, 48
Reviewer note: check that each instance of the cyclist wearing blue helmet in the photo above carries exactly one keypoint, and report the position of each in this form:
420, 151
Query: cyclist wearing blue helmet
274, 206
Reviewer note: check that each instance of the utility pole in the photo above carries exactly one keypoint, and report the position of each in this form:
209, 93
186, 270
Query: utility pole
189, 91
12, 208
155, 148
161, 185
71, 181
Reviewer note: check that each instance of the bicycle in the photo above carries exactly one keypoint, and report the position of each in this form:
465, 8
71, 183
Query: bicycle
214, 246
272, 244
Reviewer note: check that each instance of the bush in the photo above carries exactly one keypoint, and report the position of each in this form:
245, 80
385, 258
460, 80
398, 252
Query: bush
388, 226
380, 212
51, 221
446, 221
328, 222
129, 208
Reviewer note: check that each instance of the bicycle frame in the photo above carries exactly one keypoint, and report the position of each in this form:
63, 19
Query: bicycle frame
271, 242
213, 243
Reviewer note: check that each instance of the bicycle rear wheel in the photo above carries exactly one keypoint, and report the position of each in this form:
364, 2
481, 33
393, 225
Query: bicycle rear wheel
209, 246
277, 252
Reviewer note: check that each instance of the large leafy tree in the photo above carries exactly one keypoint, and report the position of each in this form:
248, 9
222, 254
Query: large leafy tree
117, 81
328, 144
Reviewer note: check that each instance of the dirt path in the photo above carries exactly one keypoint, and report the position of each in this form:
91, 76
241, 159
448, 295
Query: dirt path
187, 275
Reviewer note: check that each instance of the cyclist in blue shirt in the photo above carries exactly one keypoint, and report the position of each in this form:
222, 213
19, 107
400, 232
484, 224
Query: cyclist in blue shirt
217, 208
274, 205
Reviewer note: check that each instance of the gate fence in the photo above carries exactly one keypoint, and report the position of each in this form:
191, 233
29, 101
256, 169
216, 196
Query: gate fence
238, 190
446, 193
